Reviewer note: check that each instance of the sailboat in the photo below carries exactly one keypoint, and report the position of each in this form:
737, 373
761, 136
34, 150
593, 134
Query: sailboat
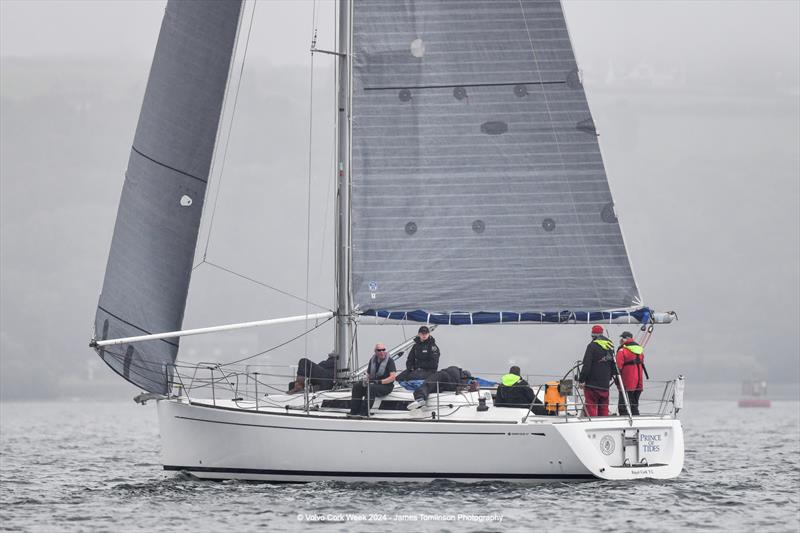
470, 190
754, 394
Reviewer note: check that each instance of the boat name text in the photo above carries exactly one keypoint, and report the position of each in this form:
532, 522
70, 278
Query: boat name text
650, 442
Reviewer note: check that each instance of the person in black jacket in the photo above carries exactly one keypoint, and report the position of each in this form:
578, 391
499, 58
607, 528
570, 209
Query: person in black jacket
320, 375
513, 391
599, 368
423, 359
450, 379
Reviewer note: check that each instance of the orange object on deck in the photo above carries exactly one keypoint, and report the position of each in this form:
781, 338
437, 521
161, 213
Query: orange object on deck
554, 401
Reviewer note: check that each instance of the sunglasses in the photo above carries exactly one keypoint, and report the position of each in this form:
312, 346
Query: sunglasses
380, 349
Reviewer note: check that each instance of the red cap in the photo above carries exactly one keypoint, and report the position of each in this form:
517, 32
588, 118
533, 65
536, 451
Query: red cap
597, 329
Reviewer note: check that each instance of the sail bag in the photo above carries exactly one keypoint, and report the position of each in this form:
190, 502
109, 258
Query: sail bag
477, 180
150, 262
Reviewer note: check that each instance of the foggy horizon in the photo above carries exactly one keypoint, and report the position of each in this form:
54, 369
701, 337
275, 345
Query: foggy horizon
699, 136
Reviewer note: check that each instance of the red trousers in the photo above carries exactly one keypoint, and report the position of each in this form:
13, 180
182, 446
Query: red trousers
596, 401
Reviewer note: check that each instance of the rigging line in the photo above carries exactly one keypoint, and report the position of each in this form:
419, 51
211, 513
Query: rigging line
230, 129
354, 350
328, 199
147, 372
555, 134
314, 19
290, 295
306, 332
310, 161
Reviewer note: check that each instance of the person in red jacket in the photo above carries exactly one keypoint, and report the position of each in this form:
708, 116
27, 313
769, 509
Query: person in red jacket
630, 361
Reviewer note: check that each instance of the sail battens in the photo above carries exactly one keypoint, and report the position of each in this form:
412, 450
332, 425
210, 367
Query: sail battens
477, 179
150, 261
134, 326
452, 85
464, 154
134, 150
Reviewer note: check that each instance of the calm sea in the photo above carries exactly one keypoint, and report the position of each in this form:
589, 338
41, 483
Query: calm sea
77, 466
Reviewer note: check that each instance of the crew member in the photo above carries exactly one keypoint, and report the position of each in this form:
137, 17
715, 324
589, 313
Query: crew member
450, 379
513, 391
320, 375
378, 381
423, 359
630, 362
597, 372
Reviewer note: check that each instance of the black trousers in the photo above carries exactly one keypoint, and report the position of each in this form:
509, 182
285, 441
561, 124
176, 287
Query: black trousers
321, 378
429, 386
360, 404
633, 399
410, 375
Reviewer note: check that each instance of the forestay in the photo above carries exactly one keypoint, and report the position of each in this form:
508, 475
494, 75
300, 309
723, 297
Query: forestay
150, 262
477, 179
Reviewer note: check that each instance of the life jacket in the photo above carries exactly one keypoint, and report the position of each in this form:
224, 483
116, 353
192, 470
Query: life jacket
608, 346
599, 367
510, 379
604, 344
635, 349
632, 377
378, 367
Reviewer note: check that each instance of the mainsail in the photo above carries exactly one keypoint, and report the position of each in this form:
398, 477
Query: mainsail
150, 262
478, 188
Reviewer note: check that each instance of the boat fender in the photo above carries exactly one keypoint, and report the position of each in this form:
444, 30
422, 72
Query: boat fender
144, 397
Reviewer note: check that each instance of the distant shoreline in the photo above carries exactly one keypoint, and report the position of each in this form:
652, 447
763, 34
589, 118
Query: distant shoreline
702, 392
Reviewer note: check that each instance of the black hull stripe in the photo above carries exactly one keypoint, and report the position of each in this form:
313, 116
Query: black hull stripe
494, 433
411, 475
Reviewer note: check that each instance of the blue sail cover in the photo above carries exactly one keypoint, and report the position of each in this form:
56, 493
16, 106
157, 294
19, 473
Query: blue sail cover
479, 193
641, 315
150, 262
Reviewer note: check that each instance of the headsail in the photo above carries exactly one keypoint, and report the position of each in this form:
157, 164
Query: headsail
150, 262
477, 180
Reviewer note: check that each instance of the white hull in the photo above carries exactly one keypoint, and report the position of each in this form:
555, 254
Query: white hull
232, 441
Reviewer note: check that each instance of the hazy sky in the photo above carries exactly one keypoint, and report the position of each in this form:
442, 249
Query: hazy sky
129, 28
697, 104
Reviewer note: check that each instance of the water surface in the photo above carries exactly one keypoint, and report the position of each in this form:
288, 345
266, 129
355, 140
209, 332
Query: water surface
79, 466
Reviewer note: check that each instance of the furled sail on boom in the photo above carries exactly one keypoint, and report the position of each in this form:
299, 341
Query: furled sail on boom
478, 188
150, 262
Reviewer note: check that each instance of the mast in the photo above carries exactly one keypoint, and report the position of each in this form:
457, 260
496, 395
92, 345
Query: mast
343, 306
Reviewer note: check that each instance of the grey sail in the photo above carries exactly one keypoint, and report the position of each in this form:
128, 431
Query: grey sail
150, 262
477, 180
